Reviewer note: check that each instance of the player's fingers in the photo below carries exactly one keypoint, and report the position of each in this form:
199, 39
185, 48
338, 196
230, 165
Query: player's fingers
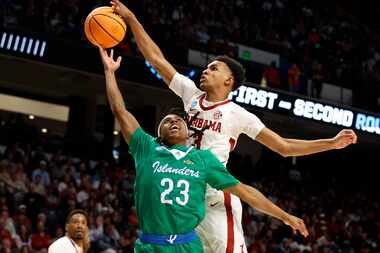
300, 225
111, 54
118, 61
347, 136
355, 138
101, 51
304, 231
350, 131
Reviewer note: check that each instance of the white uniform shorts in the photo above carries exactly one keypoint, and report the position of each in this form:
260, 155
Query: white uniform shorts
221, 230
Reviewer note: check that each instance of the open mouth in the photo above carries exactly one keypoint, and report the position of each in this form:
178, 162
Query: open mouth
174, 128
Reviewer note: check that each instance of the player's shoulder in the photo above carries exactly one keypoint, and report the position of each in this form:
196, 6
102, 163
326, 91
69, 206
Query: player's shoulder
195, 99
60, 243
180, 78
198, 94
234, 105
140, 133
237, 109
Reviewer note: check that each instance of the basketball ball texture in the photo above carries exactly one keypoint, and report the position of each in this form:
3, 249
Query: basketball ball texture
104, 27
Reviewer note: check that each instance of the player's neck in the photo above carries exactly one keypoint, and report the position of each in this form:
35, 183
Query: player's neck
175, 142
215, 96
81, 246
181, 143
79, 243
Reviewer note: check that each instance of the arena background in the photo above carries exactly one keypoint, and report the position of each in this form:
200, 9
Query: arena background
60, 147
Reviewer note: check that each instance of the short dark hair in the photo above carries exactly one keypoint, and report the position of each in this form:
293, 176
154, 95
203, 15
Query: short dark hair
237, 69
179, 111
74, 212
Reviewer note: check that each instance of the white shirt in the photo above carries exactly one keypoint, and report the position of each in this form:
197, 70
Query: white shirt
226, 120
64, 245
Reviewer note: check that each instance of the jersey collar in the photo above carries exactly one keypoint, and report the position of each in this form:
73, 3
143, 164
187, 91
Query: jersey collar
178, 151
206, 108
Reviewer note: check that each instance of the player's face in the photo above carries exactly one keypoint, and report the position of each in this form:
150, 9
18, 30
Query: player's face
173, 129
77, 226
215, 76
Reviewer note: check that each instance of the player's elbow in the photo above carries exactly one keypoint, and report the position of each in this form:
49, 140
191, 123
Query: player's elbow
118, 112
156, 60
284, 149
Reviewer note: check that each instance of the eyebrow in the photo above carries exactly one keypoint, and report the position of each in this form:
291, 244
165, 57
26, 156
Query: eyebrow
76, 219
212, 65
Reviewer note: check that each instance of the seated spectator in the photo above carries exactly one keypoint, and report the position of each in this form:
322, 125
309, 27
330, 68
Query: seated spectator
5, 178
21, 218
317, 79
7, 246
39, 240
22, 237
42, 172
108, 243
8, 221
38, 186
294, 74
127, 241
272, 76
5, 235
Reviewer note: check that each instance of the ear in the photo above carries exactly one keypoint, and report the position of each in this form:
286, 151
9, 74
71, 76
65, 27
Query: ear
66, 227
229, 82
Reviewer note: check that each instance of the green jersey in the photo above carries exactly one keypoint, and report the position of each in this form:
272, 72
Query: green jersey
171, 183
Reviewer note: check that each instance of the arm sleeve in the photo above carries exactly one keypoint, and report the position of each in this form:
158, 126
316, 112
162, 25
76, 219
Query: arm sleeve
217, 175
249, 123
184, 87
140, 145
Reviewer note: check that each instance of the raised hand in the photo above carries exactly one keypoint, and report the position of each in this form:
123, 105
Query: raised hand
344, 138
108, 62
121, 9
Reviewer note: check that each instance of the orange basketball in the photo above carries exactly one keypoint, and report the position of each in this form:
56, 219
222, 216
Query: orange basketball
104, 27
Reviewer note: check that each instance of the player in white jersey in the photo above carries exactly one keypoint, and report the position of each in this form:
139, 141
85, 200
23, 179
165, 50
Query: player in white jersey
76, 239
222, 122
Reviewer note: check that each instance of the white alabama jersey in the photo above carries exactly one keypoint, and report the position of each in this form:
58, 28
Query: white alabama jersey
223, 121
221, 230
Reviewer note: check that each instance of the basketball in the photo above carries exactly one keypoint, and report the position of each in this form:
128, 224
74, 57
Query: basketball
104, 27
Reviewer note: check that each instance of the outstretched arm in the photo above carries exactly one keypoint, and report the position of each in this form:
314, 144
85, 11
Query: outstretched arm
258, 201
147, 46
295, 147
127, 121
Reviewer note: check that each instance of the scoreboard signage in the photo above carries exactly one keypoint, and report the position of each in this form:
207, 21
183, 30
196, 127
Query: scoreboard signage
293, 105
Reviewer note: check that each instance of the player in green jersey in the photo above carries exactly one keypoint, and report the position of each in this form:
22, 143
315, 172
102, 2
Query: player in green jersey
171, 179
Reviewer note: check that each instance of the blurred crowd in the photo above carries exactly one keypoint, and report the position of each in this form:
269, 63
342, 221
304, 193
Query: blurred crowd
38, 189
40, 185
324, 41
